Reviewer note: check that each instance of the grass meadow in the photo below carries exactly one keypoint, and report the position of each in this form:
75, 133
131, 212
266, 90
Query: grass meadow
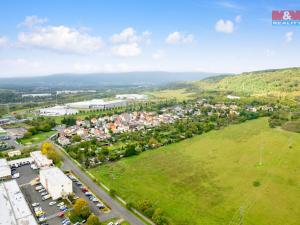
247, 172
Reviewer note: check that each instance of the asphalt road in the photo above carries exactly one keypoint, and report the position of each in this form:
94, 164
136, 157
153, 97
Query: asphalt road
116, 208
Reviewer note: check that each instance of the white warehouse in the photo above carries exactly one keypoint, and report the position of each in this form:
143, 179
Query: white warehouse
55, 182
14, 208
5, 171
97, 104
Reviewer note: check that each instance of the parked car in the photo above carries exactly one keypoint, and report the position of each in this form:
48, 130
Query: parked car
84, 189
38, 187
61, 214
60, 204
63, 207
42, 190
46, 197
35, 204
95, 199
100, 206
42, 218
44, 193
110, 223
16, 175
52, 203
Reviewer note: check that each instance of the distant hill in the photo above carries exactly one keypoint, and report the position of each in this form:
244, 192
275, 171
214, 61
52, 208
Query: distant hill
257, 82
103, 79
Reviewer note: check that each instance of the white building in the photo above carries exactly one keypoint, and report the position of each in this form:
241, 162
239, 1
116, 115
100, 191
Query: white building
14, 208
21, 161
97, 104
132, 97
55, 182
5, 171
40, 160
57, 110
37, 95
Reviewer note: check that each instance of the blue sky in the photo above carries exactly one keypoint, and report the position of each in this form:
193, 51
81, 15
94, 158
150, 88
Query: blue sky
46, 37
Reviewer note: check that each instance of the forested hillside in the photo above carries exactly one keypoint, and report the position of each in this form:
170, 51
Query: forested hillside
259, 82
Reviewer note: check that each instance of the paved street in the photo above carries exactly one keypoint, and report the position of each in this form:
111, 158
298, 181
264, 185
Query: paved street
116, 208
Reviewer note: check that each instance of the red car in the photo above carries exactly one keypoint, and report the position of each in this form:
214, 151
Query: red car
84, 190
61, 214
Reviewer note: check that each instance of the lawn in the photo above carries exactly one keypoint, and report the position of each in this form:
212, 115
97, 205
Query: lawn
35, 139
247, 171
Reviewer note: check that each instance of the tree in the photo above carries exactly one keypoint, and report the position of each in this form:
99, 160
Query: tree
93, 220
76, 138
46, 147
52, 154
81, 208
130, 150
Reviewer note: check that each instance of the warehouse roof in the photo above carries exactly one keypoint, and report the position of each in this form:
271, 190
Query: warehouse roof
54, 176
14, 208
4, 168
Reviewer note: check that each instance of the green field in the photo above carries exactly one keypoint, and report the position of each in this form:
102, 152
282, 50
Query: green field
217, 178
179, 94
35, 139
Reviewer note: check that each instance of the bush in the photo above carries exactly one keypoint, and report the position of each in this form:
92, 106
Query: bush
256, 183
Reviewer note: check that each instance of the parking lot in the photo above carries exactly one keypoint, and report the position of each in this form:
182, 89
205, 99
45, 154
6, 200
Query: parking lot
103, 213
27, 175
28, 178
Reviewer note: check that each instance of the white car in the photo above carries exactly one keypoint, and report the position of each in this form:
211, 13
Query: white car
46, 197
60, 204
16, 175
38, 187
110, 223
52, 203
35, 204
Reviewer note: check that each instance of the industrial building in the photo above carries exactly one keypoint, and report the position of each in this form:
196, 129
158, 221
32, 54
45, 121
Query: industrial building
5, 171
40, 160
132, 97
14, 208
97, 104
57, 111
55, 182
36, 95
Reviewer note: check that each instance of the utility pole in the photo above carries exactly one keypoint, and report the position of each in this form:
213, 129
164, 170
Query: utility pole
261, 154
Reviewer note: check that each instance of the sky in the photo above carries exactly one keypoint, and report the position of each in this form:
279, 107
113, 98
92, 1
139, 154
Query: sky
89, 36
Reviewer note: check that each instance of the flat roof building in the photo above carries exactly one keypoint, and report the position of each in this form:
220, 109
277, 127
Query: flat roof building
97, 104
57, 110
5, 171
14, 208
132, 96
56, 182
40, 159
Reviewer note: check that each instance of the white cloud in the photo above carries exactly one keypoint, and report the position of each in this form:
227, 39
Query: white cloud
61, 39
31, 21
177, 38
127, 50
159, 54
20, 62
229, 5
224, 26
288, 36
238, 19
129, 35
3, 41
